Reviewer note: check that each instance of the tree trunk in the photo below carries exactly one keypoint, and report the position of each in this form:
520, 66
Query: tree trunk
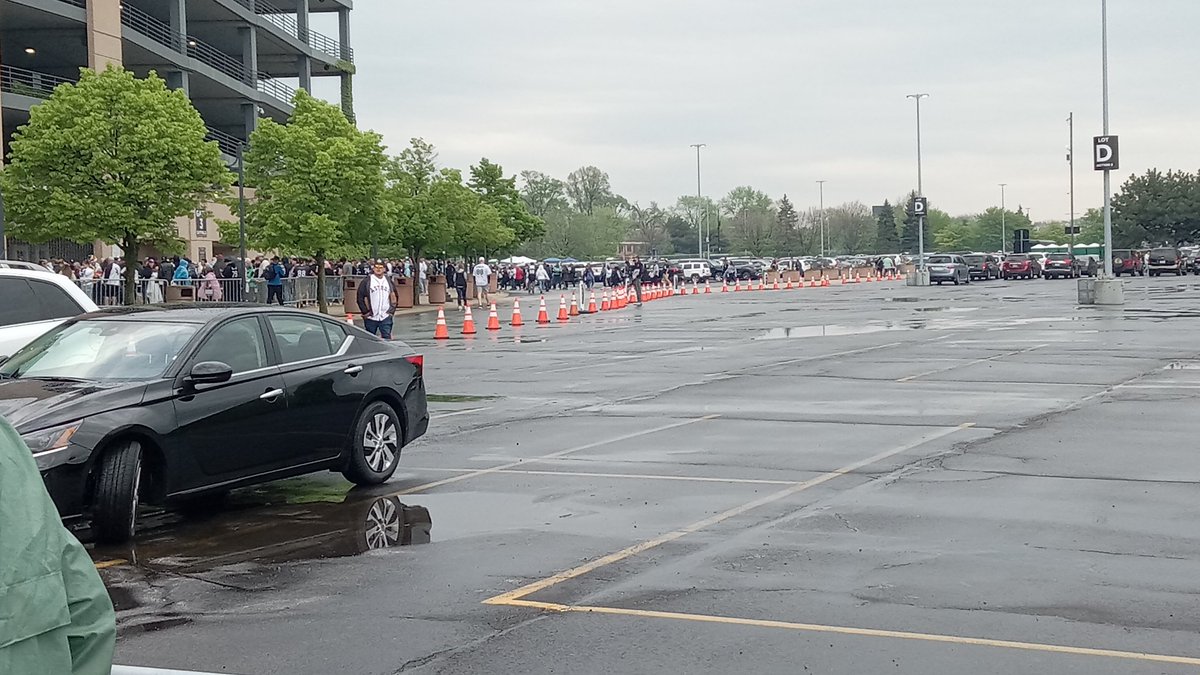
322, 301
415, 280
130, 246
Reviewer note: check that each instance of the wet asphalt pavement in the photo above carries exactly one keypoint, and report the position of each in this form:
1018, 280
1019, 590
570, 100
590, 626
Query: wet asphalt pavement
869, 478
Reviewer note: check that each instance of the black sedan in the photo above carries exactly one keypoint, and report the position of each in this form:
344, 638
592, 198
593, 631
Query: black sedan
159, 406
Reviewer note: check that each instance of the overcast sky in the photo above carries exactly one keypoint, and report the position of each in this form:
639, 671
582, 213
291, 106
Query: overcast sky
786, 92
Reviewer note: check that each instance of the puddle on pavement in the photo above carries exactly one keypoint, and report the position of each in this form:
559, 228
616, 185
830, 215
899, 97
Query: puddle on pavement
1182, 365
248, 530
457, 398
833, 330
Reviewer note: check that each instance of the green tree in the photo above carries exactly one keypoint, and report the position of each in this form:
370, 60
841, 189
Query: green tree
649, 226
909, 227
430, 209
887, 239
752, 218
542, 194
113, 158
1157, 208
850, 228
588, 189
488, 181
954, 235
682, 233
319, 185
986, 232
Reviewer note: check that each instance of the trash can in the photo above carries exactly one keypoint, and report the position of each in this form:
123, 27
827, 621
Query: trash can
404, 290
180, 294
437, 289
349, 287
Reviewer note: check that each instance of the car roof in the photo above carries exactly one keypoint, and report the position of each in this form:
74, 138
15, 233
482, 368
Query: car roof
191, 312
67, 285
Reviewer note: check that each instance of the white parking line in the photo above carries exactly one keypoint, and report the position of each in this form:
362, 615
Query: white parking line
636, 476
458, 412
976, 362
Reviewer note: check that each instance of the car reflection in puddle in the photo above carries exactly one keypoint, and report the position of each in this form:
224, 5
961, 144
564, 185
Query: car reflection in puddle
832, 330
222, 535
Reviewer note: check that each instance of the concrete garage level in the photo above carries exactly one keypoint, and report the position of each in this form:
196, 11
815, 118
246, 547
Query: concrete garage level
869, 478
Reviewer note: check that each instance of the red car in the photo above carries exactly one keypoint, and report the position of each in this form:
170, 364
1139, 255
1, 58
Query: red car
1020, 266
1127, 261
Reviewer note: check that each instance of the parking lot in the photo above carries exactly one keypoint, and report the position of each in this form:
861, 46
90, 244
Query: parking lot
861, 478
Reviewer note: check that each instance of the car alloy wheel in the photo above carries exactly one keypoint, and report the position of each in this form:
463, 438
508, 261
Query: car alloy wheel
380, 443
382, 524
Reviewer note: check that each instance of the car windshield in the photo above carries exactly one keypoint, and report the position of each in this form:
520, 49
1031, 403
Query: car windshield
940, 259
101, 350
1163, 253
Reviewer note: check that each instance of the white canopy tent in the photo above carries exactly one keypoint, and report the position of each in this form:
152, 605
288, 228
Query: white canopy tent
518, 260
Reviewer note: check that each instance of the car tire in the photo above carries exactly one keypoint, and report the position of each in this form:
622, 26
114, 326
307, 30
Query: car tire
375, 446
116, 500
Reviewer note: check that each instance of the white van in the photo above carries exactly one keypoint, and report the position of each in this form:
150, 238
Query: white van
32, 303
695, 271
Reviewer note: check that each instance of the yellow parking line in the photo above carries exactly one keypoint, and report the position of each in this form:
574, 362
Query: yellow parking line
529, 589
553, 455
110, 563
864, 632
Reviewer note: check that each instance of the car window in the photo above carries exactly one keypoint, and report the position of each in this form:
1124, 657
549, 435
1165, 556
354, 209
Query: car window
974, 259
1163, 253
335, 334
300, 338
15, 306
1059, 256
53, 301
940, 259
238, 343
1016, 258
102, 350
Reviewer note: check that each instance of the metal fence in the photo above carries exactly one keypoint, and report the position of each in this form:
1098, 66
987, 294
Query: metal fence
293, 291
28, 82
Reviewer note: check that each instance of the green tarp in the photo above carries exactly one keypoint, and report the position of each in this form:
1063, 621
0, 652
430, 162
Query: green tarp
55, 616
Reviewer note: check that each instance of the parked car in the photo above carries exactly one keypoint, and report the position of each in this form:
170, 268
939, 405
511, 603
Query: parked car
1020, 266
1061, 265
1128, 261
23, 265
983, 266
1088, 265
32, 302
1167, 261
953, 268
142, 405
1192, 261
695, 271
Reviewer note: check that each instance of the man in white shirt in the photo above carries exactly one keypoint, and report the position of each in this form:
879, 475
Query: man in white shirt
423, 268
377, 302
483, 275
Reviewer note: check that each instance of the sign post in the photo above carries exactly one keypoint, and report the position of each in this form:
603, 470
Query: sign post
1106, 157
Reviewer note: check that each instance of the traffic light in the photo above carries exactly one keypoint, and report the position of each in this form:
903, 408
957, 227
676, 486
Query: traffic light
1021, 241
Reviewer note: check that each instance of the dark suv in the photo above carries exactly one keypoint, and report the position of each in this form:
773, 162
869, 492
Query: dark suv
1167, 260
1061, 265
1127, 261
982, 266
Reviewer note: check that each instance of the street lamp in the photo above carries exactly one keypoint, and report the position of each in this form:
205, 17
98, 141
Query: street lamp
699, 202
1003, 215
821, 185
920, 186
241, 162
1071, 161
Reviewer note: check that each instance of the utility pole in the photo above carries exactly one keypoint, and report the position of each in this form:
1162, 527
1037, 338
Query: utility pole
699, 203
920, 186
1071, 161
1108, 268
821, 187
1003, 216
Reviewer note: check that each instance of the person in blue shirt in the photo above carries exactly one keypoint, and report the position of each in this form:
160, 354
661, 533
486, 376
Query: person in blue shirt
274, 275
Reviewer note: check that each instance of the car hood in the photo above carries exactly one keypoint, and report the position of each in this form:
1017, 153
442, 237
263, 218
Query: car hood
35, 404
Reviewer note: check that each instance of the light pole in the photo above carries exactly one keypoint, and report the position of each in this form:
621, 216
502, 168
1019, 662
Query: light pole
699, 203
920, 186
821, 188
1003, 215
1108, 269
242, 218
1071, 161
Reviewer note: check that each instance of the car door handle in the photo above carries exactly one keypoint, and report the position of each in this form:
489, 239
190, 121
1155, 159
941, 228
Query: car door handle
353, 370
270, 395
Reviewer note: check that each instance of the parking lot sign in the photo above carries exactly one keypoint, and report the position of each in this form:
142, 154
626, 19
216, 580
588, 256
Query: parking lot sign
920, 207
1106, 153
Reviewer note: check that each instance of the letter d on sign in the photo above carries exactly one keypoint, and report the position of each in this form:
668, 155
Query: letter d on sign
1106, 153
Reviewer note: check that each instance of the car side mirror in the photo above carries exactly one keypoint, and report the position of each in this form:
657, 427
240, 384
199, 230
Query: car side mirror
210, 372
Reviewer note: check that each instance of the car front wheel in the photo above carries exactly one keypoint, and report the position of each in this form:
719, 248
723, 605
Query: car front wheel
118, 484
375, 446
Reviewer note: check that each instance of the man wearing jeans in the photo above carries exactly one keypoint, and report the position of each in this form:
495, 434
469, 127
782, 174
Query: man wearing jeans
377, 301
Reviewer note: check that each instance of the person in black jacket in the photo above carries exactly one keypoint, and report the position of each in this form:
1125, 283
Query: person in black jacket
459, 279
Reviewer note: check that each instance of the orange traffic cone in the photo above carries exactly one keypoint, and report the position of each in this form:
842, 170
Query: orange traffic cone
563, 317
737, 285
349, 318
775, 286
696, 288
543, 317
574, 307
707, 287
592, 303
762, 284
788, 286
824, 281
604, 306
724, 286
856, 278
493, 319
468, 323
516, 317
441, 332
622, 297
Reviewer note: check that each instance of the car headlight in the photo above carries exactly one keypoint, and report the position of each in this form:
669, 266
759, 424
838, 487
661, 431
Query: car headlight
52, 439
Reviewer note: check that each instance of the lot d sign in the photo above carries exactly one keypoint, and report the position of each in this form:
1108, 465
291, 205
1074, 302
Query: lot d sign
1106, 151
